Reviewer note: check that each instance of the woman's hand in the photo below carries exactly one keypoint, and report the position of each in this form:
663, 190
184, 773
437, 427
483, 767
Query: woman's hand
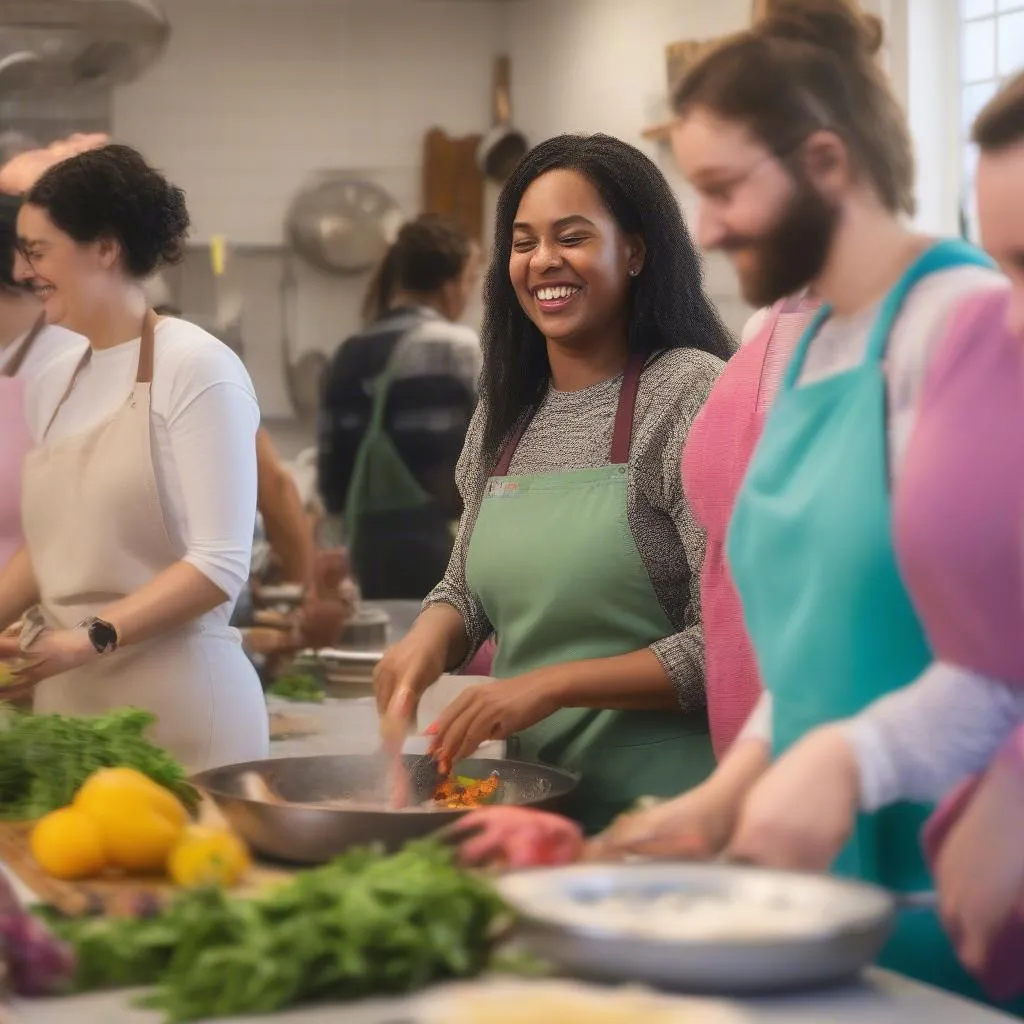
693, 826
490, 711
802, 811
54, 651
400, 679
979, 871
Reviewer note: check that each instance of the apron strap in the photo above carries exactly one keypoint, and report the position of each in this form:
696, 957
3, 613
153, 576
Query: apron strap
147, 344
943, 255
82, 364
143, 375
16, 361
505, 459
771, 321
622, 434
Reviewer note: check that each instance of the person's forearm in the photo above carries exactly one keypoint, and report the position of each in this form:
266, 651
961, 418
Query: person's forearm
625, 682
289, 531
178, 595
443, 625
745, 763
18, 588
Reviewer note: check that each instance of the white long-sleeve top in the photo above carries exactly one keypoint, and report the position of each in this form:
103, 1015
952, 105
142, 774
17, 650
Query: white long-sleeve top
917, 743
204, 419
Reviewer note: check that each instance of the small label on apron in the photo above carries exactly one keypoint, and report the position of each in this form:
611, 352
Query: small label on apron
502, 488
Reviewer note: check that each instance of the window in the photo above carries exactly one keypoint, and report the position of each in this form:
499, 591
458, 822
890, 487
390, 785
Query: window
991, 50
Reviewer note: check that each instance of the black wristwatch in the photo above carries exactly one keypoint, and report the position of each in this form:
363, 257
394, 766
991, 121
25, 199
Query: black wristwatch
102, 635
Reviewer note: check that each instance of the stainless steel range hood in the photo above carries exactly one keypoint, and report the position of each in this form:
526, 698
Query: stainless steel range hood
52, 46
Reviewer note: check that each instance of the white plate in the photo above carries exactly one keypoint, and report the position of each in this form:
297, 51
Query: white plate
566, 1002
284, 592
708, 928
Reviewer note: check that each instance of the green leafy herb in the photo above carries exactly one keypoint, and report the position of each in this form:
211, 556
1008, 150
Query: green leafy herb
365, 924
44, 759
298, 686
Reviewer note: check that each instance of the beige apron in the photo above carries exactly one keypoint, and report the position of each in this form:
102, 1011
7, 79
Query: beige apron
96, 532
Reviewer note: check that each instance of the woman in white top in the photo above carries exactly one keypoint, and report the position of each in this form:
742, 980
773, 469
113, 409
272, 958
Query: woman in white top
140, 498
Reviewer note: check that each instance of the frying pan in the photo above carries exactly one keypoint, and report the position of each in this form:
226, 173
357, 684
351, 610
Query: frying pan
313, 835
503, 146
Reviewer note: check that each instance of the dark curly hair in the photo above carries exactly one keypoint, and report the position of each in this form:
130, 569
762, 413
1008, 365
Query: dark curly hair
428, 252
111, 192
668, 307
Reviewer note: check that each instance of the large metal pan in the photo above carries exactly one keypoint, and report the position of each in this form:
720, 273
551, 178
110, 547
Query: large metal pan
818, 930
313, 835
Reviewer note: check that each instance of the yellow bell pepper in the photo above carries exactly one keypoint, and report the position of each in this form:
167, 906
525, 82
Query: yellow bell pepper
208, 856
139, 821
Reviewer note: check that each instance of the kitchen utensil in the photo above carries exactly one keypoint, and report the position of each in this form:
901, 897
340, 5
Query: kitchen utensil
367, 629
303, 376
503, 146
304, 834
851, 922
288, 594
348, 672
341, 223
453, 183
80, 43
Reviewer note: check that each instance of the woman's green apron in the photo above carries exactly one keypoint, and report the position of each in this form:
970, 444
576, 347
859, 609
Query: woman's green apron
811, 551
555, 566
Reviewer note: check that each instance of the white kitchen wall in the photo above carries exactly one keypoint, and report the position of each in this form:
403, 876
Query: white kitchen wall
253, 95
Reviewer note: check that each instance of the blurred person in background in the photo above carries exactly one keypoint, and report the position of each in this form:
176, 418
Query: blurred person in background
27, 342
396, 406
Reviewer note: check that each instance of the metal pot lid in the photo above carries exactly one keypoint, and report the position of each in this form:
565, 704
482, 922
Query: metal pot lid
78, 43
343, 224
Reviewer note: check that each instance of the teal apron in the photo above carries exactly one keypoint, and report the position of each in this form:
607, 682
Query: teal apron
398, 536
554, 564
810, 548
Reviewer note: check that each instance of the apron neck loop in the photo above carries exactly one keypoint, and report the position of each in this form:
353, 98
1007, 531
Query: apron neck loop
622, 435
16, 361
144, 374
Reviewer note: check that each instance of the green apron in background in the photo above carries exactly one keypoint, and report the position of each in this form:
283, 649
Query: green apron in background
398, 537
811, 551
555, 566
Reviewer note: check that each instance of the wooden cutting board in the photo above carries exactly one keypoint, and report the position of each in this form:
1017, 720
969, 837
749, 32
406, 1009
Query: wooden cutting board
114, 895
453, 184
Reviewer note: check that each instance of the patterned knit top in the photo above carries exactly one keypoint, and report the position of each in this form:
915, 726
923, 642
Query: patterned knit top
572, 430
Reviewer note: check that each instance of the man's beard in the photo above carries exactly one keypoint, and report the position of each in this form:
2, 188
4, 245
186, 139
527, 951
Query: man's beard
793, 254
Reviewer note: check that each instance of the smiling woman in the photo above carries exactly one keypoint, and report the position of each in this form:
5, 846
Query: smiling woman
139, 498
577, 547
